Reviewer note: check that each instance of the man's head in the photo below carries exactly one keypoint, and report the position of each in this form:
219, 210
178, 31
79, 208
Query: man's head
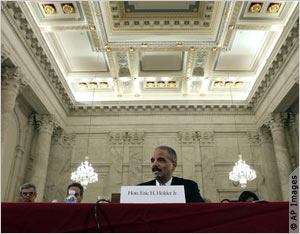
78, 191
27, 192
248, 196
164, 162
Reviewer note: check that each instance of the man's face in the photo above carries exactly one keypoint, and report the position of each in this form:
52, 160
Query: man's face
77, 193
250, 199
28, 195
162, 166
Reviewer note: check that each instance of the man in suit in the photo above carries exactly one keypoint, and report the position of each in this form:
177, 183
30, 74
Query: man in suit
27, 192
164, 162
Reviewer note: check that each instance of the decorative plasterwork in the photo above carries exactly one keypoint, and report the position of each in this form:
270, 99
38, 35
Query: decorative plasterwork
205, 138
129, 47
117, 138
187, 138
291, 42
37, 51
253, 138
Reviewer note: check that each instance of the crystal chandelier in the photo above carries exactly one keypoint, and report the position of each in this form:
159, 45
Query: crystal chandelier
85, 173
242, 172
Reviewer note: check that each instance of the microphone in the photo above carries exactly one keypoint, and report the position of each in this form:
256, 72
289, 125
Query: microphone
71, 198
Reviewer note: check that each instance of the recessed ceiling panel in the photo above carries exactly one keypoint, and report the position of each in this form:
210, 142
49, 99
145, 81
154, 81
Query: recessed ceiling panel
161, 61
79, 53
244, 51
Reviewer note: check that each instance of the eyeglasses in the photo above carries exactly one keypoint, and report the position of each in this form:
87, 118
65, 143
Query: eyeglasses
27, 193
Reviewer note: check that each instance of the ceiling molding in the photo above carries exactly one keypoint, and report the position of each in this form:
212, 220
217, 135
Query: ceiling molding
131, 49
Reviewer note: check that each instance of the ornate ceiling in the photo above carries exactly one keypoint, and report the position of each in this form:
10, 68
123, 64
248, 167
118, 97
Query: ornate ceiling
160, 51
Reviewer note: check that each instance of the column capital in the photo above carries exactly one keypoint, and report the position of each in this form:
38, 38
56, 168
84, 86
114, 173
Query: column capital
117, 138
69, 138
206, 138
253, 137
265, 134
11, 77
135, 138
187, 137
45, 123
277, 121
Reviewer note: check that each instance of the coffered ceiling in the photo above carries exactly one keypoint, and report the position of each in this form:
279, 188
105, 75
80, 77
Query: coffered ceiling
160, 51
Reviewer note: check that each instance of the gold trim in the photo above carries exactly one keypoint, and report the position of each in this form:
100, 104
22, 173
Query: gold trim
88, 13
253, 27
210, 62
190, 62
127, 16
132, 62
111, 62
233, 21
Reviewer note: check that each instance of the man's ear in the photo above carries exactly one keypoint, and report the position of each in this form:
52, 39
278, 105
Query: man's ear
174, 165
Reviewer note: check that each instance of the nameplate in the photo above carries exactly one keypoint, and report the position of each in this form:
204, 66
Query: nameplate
152, 194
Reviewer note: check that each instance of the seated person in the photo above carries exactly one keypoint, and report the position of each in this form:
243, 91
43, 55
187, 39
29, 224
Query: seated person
27, 192
164, 162
78, 191
248, 196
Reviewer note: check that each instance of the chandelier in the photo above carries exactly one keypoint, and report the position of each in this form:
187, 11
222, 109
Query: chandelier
242, 173
85, 173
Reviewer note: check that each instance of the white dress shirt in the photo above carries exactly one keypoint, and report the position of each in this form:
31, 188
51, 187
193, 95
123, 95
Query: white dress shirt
168, 183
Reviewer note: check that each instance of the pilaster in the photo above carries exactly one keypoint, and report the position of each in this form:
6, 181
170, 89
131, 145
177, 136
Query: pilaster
135, 145
206, 142
117, 141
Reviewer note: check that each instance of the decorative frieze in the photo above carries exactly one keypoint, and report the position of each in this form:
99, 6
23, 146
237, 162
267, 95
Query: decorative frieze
15, 14
291, 41
186, 138
205, 138
117, 138
253, 137
135, 138
69, 139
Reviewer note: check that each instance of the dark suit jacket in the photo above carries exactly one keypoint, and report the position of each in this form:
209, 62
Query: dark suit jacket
191, 189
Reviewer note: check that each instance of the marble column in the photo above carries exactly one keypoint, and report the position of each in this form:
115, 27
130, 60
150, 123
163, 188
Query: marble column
11, 85
188, 141
292, 125
256, 154
269, 165
135, 145
58, 174
45, 126
117, 140
206, 141
277, 125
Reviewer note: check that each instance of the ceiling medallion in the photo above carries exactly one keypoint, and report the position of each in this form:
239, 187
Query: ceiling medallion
68, 8
255, 7
273, 7
49, 9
